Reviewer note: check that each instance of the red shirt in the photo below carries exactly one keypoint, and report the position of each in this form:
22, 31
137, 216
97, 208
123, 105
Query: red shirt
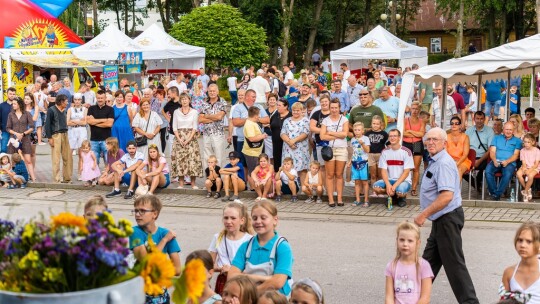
135, 99
458, 100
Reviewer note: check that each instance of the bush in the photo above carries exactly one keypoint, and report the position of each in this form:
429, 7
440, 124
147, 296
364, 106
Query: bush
438, 58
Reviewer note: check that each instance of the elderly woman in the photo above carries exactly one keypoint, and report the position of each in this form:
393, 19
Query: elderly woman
20, 125
334, 130
458, 146
295, 134
147, 124
413, 131
185, 156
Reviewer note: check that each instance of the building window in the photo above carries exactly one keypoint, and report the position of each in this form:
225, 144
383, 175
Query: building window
412, 41
435, 45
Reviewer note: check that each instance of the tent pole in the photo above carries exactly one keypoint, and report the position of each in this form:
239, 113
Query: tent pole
166, 67
508, 96
531, 91
443, 102
9, 72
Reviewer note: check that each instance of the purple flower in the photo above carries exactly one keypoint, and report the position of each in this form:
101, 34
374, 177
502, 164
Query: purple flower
81, 267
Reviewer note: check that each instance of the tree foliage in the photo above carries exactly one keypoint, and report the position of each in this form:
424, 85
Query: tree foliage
229, 39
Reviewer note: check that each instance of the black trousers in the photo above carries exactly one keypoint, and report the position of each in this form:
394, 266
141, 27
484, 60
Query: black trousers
163, 138
444, 248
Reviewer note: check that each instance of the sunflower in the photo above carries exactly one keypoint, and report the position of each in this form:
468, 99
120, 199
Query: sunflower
66, 219
157, 273
195, 276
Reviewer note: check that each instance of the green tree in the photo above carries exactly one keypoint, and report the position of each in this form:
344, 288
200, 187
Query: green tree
230, 40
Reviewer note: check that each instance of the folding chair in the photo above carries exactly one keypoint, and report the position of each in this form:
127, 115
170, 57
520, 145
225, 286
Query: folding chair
472, 158
498, 177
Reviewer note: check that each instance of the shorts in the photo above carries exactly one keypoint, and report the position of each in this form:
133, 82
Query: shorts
167, 181
23, 180
404, 187
252, 162
340, 154
492, 104
373, 159
360, 174
318, 155
214, 185
410, 146
285, 189
126, 178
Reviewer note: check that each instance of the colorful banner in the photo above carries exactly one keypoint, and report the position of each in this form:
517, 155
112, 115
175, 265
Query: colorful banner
110, 77
24, 24
21, 77
130, 58
133, 68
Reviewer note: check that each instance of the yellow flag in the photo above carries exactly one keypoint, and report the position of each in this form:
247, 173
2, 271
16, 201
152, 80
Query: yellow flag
76, 82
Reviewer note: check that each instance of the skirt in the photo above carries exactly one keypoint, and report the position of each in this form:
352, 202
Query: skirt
186, 161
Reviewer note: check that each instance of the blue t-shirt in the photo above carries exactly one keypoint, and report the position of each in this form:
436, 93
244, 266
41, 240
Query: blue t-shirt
513, 106
493, 89
20, 169
239, 172
282, 264
140, 237
505, 148
390, 108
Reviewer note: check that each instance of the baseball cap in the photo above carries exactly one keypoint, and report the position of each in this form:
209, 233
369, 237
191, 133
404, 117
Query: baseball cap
234, 154
305, 84
303, 71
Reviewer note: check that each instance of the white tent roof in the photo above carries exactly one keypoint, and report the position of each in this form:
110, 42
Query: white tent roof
157, 44
107, 45
380, 44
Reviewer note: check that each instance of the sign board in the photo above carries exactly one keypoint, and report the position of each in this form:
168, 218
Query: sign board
130, 58
133, 68
110, 77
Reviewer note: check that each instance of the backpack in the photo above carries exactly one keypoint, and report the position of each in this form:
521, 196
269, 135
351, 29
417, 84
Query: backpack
282, 88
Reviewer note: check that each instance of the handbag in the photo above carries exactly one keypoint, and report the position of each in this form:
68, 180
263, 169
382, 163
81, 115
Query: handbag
143, 140
326, 152
254, 144
222, 277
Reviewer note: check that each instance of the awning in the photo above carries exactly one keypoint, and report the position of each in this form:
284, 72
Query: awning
56, 61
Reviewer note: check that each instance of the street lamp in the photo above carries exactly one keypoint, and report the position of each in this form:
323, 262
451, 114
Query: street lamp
394, 16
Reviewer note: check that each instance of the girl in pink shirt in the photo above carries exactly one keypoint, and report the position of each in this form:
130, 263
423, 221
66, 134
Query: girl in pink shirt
530, 157
408, 276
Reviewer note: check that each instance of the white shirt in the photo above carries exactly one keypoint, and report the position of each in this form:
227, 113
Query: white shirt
205, 80
285, 179
189, 121
126, 159
90, 97
225, 255
326, 66
333, 126
231, 82
396, 161
182, 87
261, 87
288, 76
345, 82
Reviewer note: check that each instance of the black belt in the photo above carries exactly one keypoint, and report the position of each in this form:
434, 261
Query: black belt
61, 131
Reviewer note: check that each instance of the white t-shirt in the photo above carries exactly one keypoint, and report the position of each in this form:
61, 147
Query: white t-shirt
261, 87
345, 82
231, 82
128, 161
395, 161
473, 98
90, 98
285, 179
205, 80
326, 66
230, 116
182, 87
288, 75
189, 121
232, 247
332, 126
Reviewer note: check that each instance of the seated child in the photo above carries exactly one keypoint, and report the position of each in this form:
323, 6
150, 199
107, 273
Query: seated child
233, 177
213, 179
147, 209
313, 183
530, 158
5, 166
19, 174
262, 177
94, 205
287, 180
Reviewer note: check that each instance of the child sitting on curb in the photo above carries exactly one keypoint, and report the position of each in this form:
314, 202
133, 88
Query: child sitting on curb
213, 179
287, 180
19, 174
233, 177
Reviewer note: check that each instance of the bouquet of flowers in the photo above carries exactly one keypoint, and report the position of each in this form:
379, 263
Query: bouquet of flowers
70, 253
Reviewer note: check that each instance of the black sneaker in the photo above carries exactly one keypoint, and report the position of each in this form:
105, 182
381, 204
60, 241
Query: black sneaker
401, 202
129, 194
113, 193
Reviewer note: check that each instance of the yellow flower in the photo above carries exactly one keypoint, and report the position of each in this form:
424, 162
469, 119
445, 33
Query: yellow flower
52, 274
157, 273
195, 274
28, 231
66, 219
32, 257
108, 217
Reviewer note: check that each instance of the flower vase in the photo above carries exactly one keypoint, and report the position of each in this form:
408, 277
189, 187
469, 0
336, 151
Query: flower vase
131, 291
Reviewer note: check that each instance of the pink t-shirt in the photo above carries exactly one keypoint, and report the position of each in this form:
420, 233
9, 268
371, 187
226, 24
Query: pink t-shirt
529, 157
155, 165
407, 283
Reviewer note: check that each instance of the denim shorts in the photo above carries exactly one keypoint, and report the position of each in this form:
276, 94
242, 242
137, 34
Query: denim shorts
404, 187
167, 181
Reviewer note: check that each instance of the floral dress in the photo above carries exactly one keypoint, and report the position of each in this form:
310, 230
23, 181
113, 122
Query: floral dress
300, 155
197, 102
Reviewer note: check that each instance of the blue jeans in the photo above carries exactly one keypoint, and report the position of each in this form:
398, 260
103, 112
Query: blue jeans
5, 139
403, 188
496, 105
99, 148
507, 173
234, 97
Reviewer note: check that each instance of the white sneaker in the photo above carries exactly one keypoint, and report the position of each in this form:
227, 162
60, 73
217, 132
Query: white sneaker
349, 184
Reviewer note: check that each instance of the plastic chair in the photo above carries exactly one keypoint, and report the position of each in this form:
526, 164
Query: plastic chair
537, 176
472, 158
497, 176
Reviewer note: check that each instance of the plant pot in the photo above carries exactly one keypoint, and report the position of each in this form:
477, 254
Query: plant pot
131, 291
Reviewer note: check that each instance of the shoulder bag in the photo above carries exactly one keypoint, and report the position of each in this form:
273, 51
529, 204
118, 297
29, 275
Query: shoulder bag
326, 151
143, 140
222, 277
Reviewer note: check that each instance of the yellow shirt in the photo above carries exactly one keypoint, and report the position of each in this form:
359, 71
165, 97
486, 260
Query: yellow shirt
251, 129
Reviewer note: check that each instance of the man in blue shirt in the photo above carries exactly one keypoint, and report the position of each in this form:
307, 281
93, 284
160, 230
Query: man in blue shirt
5, 109
493, 97
390, 107
341, 95
503, 153
440, 202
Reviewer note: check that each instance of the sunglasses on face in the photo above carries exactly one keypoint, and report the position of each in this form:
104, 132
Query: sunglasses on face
455, 123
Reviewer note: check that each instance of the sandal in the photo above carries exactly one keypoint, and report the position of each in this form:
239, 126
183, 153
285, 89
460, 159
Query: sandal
340, 204
331, 205
217, 195
414, 193
366, 204
208, 194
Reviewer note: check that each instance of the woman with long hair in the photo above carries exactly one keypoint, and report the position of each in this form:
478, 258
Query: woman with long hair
413, 132
33, 108
244, 84
20, 125
121, 128
147, 124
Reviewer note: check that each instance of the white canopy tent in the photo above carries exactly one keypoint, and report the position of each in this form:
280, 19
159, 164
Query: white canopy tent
504, 62
378, 44
106, 46
162, 52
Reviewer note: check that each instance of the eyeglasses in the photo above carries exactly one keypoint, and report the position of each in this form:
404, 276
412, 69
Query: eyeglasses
140, 211
455, 123
393, 136
431, 139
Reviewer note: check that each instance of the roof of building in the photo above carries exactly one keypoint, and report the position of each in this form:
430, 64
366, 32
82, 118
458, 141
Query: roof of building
429, 19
